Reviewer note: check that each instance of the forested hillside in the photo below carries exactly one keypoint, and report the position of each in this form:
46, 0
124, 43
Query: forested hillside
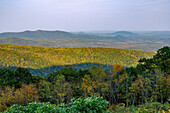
40, 57
140, 89
20, 41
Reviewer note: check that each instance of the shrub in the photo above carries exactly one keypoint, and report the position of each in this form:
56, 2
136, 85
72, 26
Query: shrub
87, 105
154, 107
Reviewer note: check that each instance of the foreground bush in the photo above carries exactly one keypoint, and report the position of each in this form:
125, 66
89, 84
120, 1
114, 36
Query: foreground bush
87, 105
154, 107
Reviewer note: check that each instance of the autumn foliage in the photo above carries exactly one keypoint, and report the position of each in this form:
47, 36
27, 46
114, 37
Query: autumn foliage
140, 88
40, 57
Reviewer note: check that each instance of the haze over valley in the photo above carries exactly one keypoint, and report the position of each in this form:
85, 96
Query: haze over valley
145, 41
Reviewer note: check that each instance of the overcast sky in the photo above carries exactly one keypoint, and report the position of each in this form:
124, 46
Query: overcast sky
84, 15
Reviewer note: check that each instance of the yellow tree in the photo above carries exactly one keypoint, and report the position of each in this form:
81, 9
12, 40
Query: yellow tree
115, 80
6, 98
26, 94
88, 86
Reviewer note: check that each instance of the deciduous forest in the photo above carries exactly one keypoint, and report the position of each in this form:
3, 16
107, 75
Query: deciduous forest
142, 87
40, 57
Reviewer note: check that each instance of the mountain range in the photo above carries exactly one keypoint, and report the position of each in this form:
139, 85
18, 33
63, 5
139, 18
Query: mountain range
47, 35
145, 41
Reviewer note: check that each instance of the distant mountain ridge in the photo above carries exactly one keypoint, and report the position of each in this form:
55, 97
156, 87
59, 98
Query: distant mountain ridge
47, 35
39, 34
124, 33
121, 36
145, 41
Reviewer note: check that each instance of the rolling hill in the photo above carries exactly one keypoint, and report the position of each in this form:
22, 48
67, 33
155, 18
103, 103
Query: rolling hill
124, 33
144, 45
145, 41
39, 34
41, 57
48, 35
20, 41
75, 42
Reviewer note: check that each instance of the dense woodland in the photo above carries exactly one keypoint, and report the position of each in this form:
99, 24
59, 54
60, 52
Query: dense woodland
40, 57
145, 85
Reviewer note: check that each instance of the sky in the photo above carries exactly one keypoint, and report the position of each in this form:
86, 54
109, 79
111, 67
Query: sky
84, 15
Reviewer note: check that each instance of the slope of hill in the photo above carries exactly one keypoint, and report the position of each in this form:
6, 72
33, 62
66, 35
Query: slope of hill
20, 41
75, 42
40, 57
